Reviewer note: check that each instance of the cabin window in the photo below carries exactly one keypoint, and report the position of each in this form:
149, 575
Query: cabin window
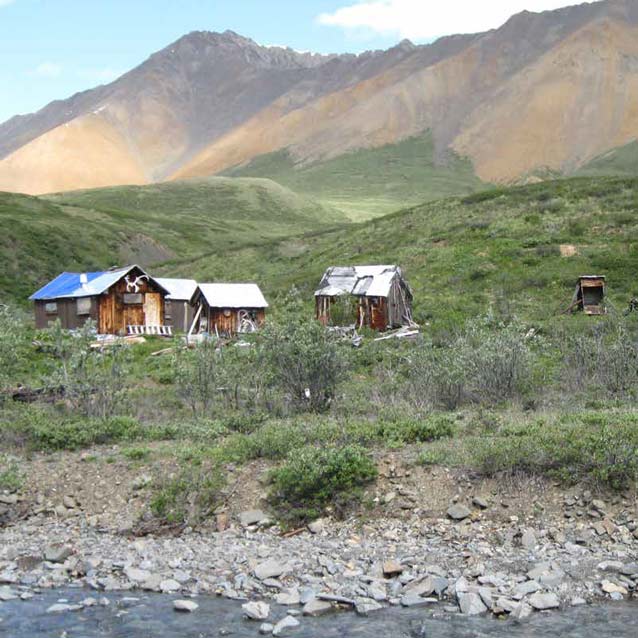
84, 306
133, 298
167, 310
51, 308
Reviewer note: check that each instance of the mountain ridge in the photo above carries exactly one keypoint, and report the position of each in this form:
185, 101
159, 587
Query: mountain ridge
210, 102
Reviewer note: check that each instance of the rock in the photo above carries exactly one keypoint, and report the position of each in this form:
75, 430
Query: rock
577, 601
528, 539
186, 606
365, 606
266, 628
270, 569
60, 607
471, 604
137, 575
506, 604
306, 594
528, 587
610, 566
612, 588
57, 553
142, 481
69, 502
630, 569
317, 527
422, 587
479, 502
288, 597
169, 586
521, 611
412, 600
316, 608
7, 594
598, 505
8, 499
392, 568
458, 512
542, 601
252, 517
289, 622
256, 610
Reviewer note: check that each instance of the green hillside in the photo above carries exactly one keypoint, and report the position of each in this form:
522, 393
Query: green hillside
372, 182
149, 225
498, 249
619, 161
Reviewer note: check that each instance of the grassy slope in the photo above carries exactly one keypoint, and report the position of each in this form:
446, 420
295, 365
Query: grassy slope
499, 248
98, 228
372, 182
619, 161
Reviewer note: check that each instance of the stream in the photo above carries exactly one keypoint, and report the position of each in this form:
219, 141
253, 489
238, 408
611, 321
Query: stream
152, 616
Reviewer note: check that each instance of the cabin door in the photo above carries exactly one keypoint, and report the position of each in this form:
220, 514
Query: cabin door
152, 309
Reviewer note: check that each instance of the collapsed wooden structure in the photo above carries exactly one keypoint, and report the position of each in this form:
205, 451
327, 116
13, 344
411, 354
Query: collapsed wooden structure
376, 297
227, 309
589, 296
120, 301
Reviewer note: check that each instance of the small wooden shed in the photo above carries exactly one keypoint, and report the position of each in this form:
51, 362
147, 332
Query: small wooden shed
228, 309
377, 297
119, 301
178, 311
589, 296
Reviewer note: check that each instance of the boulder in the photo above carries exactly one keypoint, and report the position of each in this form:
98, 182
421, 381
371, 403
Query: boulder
288, 597
365, 606
256, 610
270, 569
57, 553
392, 568
316, 608
471, 604
458, 512
186, 606
542, 601
289, 622
252, 517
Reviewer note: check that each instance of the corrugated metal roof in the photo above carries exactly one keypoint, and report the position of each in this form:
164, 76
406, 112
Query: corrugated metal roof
71, 285
178, 289
233, 295
370, 281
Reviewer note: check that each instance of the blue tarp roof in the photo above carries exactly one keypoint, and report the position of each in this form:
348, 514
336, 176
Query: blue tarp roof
70, 284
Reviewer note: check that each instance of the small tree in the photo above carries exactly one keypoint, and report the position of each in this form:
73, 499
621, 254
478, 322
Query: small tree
196, 376
11, 345
302, 361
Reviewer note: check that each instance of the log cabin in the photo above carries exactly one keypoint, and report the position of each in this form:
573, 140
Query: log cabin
376, 297
228, 309
119, 301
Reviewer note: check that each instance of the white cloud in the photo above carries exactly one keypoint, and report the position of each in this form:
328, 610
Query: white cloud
427, 19
47, 70
4, 3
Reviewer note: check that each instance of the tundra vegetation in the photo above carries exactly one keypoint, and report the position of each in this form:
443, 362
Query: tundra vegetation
500, 382
497, 395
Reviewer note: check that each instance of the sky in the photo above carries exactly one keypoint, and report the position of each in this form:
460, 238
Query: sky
51, 49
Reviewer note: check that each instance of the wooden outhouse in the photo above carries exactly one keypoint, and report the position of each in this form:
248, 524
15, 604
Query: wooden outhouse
178, 311
120, 301
589, 296
228, 309
376, 297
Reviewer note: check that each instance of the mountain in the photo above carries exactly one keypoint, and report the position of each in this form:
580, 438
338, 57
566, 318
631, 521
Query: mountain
545, 93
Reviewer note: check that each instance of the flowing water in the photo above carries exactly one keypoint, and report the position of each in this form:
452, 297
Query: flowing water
152, 616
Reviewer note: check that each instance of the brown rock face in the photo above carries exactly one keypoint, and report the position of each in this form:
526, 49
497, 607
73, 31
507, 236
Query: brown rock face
545, 91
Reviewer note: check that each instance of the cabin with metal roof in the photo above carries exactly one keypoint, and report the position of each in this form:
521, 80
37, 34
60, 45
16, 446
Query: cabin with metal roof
120, 301
376, 297
228, 309
178, 311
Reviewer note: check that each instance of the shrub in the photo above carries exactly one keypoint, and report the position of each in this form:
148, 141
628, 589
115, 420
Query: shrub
314, 477
417, 430
190, 496
11, 478
596, 448
303, 362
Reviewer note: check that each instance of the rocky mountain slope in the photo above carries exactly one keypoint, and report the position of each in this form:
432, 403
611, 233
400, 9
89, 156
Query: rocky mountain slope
545, 91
